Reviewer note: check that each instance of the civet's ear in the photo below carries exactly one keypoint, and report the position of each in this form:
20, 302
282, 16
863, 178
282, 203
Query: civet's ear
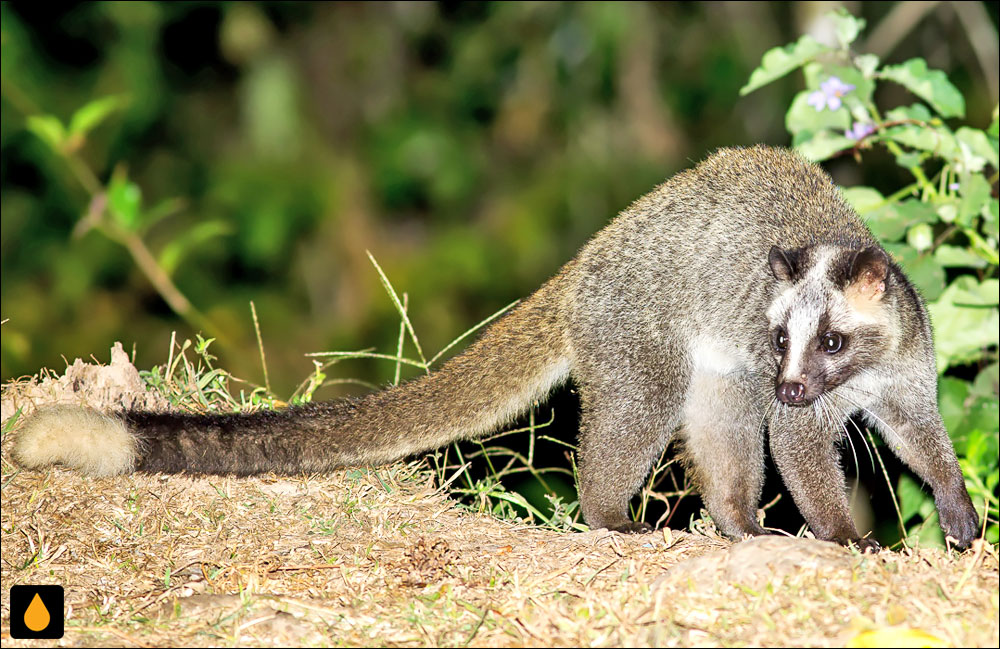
867, 273
783, 263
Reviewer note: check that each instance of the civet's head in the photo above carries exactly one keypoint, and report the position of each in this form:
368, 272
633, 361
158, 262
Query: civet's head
828, 320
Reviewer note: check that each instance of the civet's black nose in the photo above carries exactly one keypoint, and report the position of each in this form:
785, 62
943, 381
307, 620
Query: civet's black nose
792, 393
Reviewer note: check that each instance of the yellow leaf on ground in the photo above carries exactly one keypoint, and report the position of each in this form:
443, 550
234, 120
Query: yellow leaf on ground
896, 637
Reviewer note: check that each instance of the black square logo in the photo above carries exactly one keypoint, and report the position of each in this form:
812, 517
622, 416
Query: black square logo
36, 612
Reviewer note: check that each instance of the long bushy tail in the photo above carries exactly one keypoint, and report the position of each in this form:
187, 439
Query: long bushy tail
517, 360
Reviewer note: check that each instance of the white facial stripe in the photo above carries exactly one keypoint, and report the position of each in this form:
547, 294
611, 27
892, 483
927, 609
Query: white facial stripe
803, 305
801, 327
781, 304
794, 360
818, 271
814, 279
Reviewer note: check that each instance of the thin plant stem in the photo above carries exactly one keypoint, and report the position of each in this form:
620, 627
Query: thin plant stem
260, 346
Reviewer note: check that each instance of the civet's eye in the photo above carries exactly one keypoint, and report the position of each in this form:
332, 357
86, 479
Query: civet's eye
832, 342
781, 340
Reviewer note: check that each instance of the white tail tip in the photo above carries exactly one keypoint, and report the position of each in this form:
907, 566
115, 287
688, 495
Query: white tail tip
79, 438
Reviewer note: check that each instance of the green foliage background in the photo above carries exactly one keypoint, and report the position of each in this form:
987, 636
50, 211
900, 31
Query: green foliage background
471, 148
258, 151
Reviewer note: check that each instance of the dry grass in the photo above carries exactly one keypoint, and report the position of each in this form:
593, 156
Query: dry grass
381, 557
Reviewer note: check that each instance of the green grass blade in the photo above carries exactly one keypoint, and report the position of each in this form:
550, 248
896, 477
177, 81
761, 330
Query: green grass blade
472, 331
400, 308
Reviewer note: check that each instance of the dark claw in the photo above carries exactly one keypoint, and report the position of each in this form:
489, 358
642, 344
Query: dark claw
866, 545
633, 527
959, 519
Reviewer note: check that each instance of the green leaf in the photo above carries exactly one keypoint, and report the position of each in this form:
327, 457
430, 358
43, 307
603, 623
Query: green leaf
93, 113
986, 383
887, 223
779, 61
915, 112
163, 209
980, 449
49, 129
890, 222
867, 63
124, 201
952, 394
846, 26
930, 85
916, 211
863, 199
962, 332
175, 251
975, 191
987, 249
920, 237
857, 100
986, 294
803, 117
816, 73
935, 139
930, 135
947, 210
980, 145
912, 499
908, 159
817, 146
991, 216
923, 270
976, 443
956, 256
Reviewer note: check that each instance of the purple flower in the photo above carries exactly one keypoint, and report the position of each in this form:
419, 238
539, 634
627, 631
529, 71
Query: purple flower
953, 187
859, 131
829, 94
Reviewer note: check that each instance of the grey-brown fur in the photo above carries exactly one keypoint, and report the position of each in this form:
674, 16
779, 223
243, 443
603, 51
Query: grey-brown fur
517, 360
666, 321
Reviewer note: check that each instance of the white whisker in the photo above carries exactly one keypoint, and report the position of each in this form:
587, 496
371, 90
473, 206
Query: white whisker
867, 393
861, 435
886, 428
854, 453
764, 417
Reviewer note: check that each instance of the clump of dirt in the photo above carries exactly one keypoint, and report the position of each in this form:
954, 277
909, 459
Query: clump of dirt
383, 557
426, 562
759, 561
104, 387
